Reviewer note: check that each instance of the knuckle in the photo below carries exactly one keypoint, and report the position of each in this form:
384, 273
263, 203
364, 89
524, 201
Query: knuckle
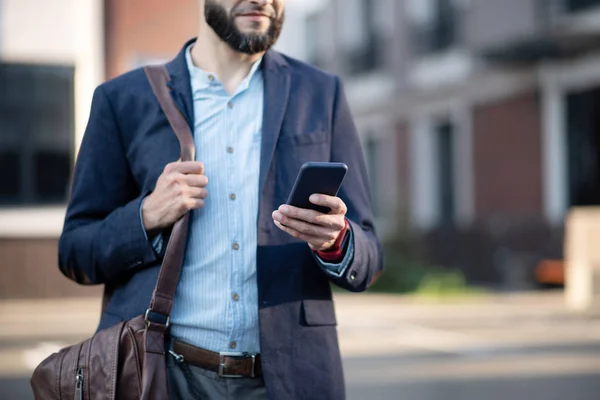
179, 189
311, 231
322, 219
343, 207
188, 204
179, 179
171, 167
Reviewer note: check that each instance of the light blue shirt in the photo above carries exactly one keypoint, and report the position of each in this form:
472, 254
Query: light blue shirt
216, 303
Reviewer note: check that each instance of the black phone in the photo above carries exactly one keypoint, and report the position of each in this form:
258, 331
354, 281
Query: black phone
317, 177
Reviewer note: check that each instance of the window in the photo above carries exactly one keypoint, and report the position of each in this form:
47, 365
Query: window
361, 37
583, 147
445, 155
434, 25
312, 39
580, 5
36, 133
372, 158
555, 8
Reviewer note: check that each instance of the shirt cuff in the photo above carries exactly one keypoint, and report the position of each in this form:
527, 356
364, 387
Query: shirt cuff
337, 269
157, 240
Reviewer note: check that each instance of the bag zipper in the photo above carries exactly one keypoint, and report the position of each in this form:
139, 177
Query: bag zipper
79, 384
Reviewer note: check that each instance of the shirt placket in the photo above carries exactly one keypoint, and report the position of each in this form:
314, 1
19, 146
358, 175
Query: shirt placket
234, 221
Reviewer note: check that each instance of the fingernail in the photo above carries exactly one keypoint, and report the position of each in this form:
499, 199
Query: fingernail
284, 209
276, 216
314, 198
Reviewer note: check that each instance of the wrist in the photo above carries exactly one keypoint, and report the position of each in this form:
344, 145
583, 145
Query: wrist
148, 221
337, 245
335, 252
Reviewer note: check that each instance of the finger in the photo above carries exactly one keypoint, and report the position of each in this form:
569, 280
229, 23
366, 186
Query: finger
314, 243
311, 230
294, 233
336, 204
194, 204
195, 180
186, 167
197, 193
303, 214
313, 217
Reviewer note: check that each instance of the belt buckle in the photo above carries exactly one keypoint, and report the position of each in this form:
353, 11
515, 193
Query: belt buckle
224, 354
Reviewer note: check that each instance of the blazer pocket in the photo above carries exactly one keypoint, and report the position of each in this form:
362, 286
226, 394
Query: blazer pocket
318, 312
304, 138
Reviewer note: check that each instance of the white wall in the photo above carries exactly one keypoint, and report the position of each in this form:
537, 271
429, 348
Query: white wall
66, 32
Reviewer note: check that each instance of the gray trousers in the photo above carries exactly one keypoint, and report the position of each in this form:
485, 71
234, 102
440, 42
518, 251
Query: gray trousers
188, 382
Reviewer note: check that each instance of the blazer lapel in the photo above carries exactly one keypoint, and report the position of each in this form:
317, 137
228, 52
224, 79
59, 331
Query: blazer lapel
180, 85
276, 92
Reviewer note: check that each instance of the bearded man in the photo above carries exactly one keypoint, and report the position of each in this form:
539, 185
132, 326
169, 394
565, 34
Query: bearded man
253, 316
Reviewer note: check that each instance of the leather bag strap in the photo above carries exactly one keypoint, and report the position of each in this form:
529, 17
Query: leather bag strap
164, 292
154, 376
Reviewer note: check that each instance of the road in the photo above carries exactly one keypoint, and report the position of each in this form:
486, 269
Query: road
525, 346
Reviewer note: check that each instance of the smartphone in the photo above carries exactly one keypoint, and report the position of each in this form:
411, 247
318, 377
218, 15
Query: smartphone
317, 177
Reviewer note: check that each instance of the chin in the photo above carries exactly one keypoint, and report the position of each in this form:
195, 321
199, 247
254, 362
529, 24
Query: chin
253, 27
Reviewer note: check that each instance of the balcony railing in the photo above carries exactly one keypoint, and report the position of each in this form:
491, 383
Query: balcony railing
555, 9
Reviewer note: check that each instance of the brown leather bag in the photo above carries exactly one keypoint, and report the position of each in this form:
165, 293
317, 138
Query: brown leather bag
126, 361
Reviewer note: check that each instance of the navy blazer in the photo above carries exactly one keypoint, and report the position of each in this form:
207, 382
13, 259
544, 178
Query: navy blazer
127, 144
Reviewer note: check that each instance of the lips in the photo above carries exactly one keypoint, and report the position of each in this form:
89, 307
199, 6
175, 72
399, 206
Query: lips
254, 14
248, 10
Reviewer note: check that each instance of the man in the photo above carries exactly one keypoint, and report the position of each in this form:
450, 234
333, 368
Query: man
256, 274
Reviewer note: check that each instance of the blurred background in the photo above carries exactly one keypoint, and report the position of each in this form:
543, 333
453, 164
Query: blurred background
480, 124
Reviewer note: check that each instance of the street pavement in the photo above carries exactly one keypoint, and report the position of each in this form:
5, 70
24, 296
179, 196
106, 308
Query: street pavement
508, 346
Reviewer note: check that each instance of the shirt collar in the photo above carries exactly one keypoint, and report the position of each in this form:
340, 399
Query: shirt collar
202, 79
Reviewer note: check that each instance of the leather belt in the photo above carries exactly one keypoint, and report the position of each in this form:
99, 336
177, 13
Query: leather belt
226, 364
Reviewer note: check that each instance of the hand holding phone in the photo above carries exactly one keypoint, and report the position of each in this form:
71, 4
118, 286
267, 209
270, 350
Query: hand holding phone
303, 219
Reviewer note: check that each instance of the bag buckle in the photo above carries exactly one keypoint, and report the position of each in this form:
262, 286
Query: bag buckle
156, 318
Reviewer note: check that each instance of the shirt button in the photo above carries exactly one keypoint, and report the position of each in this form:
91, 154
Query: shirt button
235, 297
232, 196
235, 246
230, 150
232, 345
230, 104
211, 78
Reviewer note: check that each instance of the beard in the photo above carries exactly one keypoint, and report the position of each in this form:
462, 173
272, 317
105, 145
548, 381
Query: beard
249, 43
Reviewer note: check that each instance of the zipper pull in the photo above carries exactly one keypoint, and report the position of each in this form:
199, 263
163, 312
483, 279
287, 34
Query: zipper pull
79, 385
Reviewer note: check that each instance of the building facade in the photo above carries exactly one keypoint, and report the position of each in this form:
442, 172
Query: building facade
480, 121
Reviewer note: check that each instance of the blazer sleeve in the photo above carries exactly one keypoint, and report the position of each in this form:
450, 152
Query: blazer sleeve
102, 236
367, 261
